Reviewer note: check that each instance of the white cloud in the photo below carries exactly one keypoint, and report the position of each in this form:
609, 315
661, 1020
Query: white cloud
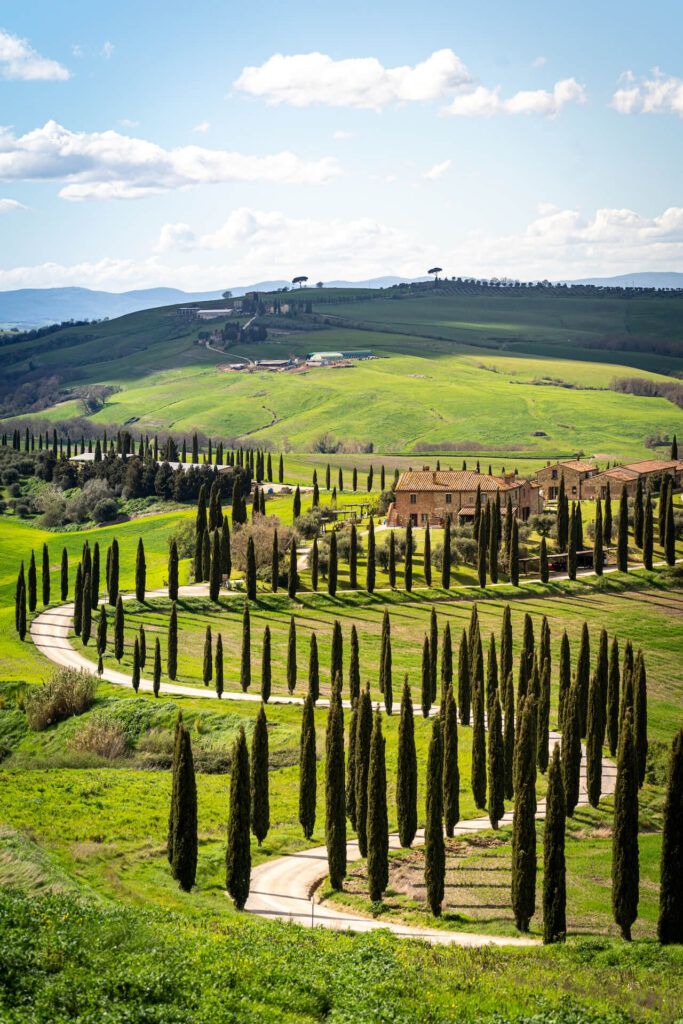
484, 102
361, 82
203, 126
19, 60
437, 171
342, 135
539, 62
77, 50
657, 95
107, 50
108, 165
10, 206
126, 122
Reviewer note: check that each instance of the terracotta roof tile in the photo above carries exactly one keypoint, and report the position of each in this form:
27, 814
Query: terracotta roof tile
445, 480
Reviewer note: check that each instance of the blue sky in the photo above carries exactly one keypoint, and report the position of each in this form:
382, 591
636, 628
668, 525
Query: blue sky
210, 145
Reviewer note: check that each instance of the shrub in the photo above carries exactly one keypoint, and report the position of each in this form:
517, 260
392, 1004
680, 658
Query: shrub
69, 692
99, 735
184, 535
105, 510
308, 525
10, 476
14, 490
261, 531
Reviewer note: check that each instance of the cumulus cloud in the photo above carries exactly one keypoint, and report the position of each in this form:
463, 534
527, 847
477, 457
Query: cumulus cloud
108, 165
437, 171
659, 94
19, 60
10, 205
484, 102
361, 82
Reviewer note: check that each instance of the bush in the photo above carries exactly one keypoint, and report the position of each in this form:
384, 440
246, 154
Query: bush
184, 535
105, 510
308, 524
102, 736
69, 692
385, 500
14, 490
10, 476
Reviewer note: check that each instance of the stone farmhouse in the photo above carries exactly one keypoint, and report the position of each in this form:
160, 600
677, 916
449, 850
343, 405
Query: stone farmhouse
575, 474
431, 496
615, 478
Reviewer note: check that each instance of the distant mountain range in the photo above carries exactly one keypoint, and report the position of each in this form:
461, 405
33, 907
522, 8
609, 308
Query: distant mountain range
35, 307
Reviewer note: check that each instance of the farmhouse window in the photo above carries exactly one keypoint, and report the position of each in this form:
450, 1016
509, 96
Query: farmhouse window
448, 498
424, 517
413, 499
554, 474
573, 490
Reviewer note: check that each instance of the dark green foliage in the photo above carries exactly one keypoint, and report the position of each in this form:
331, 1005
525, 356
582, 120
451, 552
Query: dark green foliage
353, 556
562, 518
408, 568
280, 471
78, 600
524, 823
118, 629
291, 656
594, 729
505, 647
478, 732
612, 718
388, 680
275, 563
406, 772
172, 648
218, 672
428, 556
332, 568
64, 576
238, 853
625, 866
392, 560
140, 572
640, 715
201, 522
491, 675
648, 533
446, 564
215, 568
251, 570
451, 773
226, 561
156, 678
95, 577
513, 565
638, 514
46, 575
354, 666
554, 873
183, 837
307, 769
198, 558
260, 803
493, 541
602, 671
446, 661
573, 543
351, 765
674, 449
670, 531
545, 574
543, 716
433, 651
571, 748
622, 536
362, 759
32, 592
626, 697
583, 673
20, 605
143, 646
313, 669
296, 507
435, 855
337, 654
509, 738
565, 679
464, 690
598, 552
293, 575
86, 612
377, 822
482, 545
207, 667
607, 521
386, 638
173, 571
265, 666
102, 631
335, 793
135, 678
370, 572
245, 660
314, 564
670, 923
496, 765
426, 688
206, 555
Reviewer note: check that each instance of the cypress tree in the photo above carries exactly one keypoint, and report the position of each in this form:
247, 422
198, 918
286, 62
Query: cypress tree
482, 545
351, 766
491, 675
433, 651
118, 628
451, 773
32, 584
406, 773
583, 673
612, 717
86, 611
513, 570
314, 564
275, 563
206, 555
140, 572
245, 664
607, 521
477, 513
496, 765
135, 679
226, 561
544, 571
307, 769
388, 681
598, 552
335, 794
509, 739
353, 558
46, 576
435, 854
337, 658
674, 449
426, 689
640, 715
505, 649
446, 563
392, 560
173, 571
571, 748
260, 804
564, 679
64, 576
524, 824
573, 545
21, 607
554, 872
494, 537
478, 733
293, 576
296, 508
638, 514
291, 656
156, 679
238, 854
219, 666
313, 669
172, 648
464, 691
408, 568
265, 666
377, 827
594, 738
648, 533
670, 530
280, 471
215, 568
207, 668
198, 558
670, 923
625, 868
354, 666
21, 584
428, 557
102, 631
622, 537
354, 486
362, 761
183, 817
543, 739
370, 569
446, 661
626, 697
251, 570
332, 569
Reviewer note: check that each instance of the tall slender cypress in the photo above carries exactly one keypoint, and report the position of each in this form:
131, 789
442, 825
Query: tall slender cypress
337, 654
238, 853
638, 514
173, 571
554, 870
648, 533
314, 564
377, 827
524, 823
260, 803
172, 647
583, 672
607, 520
64, 576
426, 688
598, 551
464, 690
571, 748
594, 737
573, 544
226, 561
385, 638
408, 568
156, 678
354, 666
135, 676
113, 574
392, 560
265, 666
478, 733
291, 656
215, 569
427, 558
183, 840
496, 765
353, 557
293, 576
362, 760
446, 661
613, 681
451, 773
513, 567
435, 854
509, 739
198, 558
46, 576
245, 660
218, 672
543, 562
32, 584
118, 629
564, 682
20, 607
335, 794
505, 647
640, 715
143, 645
446, 562
313, 669
491, 675
102, 631
622, 536
351, 765
670, 923
370, 568
482, 546
406, 771
307, 769
207, 667
543, 738
625, 866
433, 651
670, 530
332, 567
140, 571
